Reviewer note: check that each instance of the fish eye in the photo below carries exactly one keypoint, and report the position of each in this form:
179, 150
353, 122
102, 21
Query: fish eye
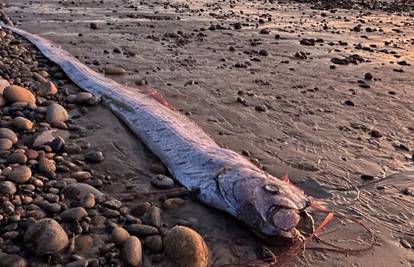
272, 188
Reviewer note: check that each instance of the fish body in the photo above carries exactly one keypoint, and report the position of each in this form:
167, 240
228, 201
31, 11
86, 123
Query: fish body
219, 177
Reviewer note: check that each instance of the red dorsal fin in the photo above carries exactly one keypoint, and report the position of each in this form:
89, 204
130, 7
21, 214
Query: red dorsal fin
285, 178
159, 98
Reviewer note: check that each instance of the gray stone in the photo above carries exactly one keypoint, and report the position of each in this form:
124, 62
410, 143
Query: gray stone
46, 237
56, 113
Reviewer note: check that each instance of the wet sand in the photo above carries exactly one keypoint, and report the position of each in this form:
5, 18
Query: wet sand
330, 128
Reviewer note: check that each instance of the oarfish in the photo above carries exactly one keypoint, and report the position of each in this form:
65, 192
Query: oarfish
219, 177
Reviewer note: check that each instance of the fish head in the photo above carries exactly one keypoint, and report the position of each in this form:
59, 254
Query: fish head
274, 208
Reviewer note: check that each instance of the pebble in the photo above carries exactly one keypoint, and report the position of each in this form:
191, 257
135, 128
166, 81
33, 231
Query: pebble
42, 138
45, 237
114, 70
186, 247
264, 31
119, 235
405, 243
94, 156
23, 124
367, 177
9, 134
113, 204
140, 82
368, 76
375, 133
20, 174
173, 203
5, 144
7, 188
260, 108
110, 213
263, 52
132, 251
162, 181
154, 243
141, 208
152, 216
12, 260
88, 201
83, 98
16, 93
349, 103
47, 88
74, 214
93, 26
57, 144
47, 166
17, 157
77, 193
3, 84
56, 113
141, 229
81, 176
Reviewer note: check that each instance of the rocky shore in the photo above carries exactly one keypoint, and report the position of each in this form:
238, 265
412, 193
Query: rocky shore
52, 209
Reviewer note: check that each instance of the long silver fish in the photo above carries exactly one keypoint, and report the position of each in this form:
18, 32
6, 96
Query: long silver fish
219, 177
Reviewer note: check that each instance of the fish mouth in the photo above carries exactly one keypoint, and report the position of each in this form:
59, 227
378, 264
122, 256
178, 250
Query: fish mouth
291, 223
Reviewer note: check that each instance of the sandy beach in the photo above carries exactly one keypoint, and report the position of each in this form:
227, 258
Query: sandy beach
325, 95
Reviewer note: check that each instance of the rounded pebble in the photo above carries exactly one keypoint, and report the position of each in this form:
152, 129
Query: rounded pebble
20, 174
132, 251
45, 237
186, 247
56, 113
16, 93
119, 235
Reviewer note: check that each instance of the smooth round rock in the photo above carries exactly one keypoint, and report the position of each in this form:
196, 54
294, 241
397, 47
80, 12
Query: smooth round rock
22, 124
7, 188
14, 93
47, 166
74, 214
56, 113
17, 157
83, 98
9, 134
142, 229
46, 237
12, 260
81, 176
162, 181
47, 88
119, 235
153, 242
5, 144
3, 85
186, 247
152, 216
20, 174
114, 70
76, 193
132, 251
88, 201
94, 156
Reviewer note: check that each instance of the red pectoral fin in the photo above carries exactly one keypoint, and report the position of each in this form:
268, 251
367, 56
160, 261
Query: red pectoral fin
285, 178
